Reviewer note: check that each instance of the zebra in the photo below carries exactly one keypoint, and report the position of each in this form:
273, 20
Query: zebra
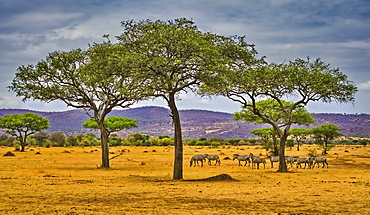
213, 157
273, 158
257, 160
245, 158
290, 160
305, 161
318, 160
196, 159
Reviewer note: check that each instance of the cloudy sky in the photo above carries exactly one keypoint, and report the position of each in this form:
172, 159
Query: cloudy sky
338, 31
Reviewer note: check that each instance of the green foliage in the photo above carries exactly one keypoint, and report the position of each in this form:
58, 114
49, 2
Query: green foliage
57, 139
166, 142
234, 141
7, 140
96, 80
302, 80
299, 134
271, 109
323, 134
72, 141
138, 139
112, 123
163, 136
252, 141
290, 143
40, 138
214, 144
364, 142
173, 57
21, 126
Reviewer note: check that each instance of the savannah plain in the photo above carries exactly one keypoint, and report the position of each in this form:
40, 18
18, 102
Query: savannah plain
69, 181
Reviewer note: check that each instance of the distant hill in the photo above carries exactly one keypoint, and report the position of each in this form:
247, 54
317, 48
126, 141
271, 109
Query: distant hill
156, 121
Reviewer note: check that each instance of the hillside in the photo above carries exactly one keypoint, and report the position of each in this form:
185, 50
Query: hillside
156, 121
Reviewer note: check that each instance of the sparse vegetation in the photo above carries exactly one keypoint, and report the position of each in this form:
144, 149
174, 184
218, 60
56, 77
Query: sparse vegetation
54, 182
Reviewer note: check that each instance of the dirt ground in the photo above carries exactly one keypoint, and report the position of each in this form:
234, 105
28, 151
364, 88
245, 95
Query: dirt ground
69, 181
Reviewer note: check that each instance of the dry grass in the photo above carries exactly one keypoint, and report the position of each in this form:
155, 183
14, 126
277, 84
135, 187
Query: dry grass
68, 181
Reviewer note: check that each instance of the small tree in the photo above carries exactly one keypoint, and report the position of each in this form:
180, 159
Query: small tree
21, 126
40, 138
364, 142
266, 134
290, 143
271, 109
57, 139
112, 124
323, 134
299, 134
71, 141
138, 139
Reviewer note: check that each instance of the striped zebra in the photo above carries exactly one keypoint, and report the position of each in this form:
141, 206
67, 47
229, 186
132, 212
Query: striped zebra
245, 158
213, 157
196, 158
318, 160
306, 161
273, 159
291, 159
257, 160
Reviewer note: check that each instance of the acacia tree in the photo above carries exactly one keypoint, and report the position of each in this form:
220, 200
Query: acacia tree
171, 57
301, 81
21, 126
112, 124
324, 134
271, 109
300, 134
82, 79
265, 134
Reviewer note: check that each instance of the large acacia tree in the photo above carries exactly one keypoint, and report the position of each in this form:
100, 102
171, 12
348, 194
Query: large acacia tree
172, 56
301, 81
82, 79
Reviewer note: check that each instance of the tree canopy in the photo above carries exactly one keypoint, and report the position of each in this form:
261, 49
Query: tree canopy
324, 134
21, 126
299, 134
301, 81
112, 124
96, 80
173, 57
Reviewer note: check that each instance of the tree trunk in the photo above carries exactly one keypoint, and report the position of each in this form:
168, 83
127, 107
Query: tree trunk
274, 141
297, 145
22, 141
104, 146
324, 148
178, 161
282, 163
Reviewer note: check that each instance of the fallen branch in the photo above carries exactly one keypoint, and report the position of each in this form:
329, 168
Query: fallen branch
117, 155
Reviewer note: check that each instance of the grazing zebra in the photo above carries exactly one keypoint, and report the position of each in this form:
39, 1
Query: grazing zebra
290, 160
273, 159
196, 159
245, 158
213, 157
257, 160
318, 160
305, 161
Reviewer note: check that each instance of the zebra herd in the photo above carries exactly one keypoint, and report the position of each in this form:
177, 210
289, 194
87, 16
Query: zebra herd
196, 158
309, 161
